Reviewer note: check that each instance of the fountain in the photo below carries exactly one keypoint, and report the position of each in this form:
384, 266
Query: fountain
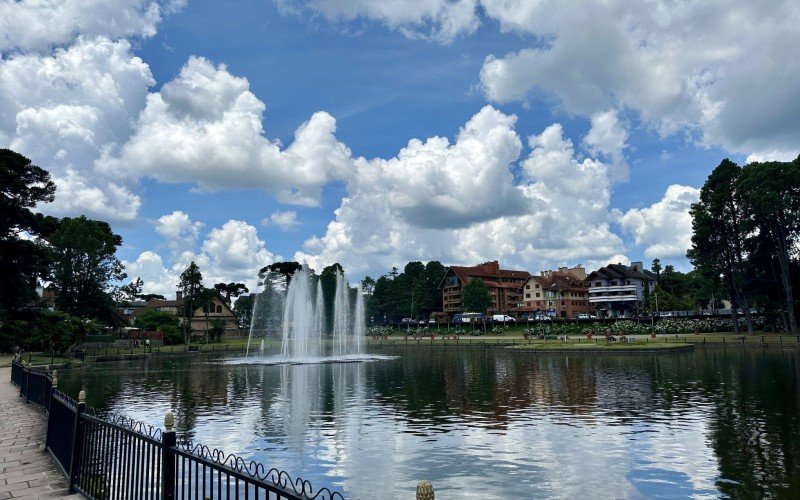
298, 317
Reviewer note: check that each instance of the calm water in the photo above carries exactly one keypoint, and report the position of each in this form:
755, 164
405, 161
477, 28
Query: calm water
488, 423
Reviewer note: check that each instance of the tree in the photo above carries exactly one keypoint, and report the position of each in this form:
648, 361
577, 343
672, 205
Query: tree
85, 268
166, 323
718, 236
278, 273
22, 261
368, 286
216, 331
147, 296
656, 268
328, 279
130, 292
476, 296
434, 273
770, 200
231, 290
191, 285
243, 309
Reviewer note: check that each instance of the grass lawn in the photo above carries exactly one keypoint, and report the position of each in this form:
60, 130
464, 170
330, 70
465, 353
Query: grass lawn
601, 346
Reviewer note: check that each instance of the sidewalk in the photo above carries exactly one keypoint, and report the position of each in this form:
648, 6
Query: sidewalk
26, 469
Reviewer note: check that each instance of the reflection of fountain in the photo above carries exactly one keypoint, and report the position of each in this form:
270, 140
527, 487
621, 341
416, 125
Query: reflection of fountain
299, 316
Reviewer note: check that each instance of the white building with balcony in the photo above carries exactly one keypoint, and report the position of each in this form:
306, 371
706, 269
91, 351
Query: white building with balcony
617, 290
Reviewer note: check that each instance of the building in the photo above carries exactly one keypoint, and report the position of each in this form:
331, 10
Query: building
201, 322
617, 290
562, 294
505, 286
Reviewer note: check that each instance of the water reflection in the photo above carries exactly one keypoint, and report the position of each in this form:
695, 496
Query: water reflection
487, 422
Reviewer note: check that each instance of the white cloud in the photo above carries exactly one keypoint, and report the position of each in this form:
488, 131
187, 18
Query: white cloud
286, 221
680, 65
179, 231
231, 252
205, 127
63, 110
607, 139
157, 279
564, 217
41, 24
441, 20
665, 227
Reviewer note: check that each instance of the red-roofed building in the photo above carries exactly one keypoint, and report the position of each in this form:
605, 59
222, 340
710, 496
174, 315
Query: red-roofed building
562, 294
505, 286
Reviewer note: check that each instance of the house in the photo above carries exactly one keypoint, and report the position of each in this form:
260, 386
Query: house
618, 290
505, 286
563, 293
220, 310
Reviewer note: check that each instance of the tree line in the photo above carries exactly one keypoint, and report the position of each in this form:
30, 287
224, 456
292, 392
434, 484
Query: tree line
745, 231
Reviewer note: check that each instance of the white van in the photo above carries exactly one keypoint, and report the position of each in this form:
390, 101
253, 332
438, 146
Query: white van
503, 318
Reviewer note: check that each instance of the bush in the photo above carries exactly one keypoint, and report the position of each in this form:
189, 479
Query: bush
216, 331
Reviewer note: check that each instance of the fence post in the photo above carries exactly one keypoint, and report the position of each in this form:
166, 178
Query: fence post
53, 389
77, 442
425, 491
168, 440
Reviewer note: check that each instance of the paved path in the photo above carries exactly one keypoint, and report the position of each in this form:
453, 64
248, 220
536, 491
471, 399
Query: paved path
26, 469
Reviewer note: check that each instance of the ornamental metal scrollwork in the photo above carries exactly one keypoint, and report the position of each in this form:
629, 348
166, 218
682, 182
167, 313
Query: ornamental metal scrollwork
259, 472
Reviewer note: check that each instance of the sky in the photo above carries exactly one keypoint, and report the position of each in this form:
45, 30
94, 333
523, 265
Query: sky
534, 132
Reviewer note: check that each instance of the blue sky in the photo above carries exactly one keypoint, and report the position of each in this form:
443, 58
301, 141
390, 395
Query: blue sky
602, 123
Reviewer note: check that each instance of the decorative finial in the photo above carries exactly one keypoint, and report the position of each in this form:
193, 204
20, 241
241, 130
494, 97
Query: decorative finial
82, 396
425, 491
55, 380
169, 421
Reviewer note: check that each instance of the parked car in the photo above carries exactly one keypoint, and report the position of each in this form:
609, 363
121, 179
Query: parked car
407, 321
586, 316
503, 318
543, 318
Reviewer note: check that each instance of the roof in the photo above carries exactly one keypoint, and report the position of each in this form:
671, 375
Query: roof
560, 281
490, 273
617, 271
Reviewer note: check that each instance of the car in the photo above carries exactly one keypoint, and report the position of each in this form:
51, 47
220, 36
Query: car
503, 318
543, 318
422, 322
407, 321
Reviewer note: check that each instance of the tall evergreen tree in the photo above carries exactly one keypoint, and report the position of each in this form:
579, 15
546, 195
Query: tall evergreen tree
191, 287
770, 199
85, 268
22, 261
718, 236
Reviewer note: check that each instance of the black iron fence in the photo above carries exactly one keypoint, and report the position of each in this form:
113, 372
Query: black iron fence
106, 456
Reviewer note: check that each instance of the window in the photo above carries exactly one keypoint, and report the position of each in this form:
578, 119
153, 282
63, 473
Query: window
527, 295
219, 309
537, 285
598, 283
613, 283
537, 294
527, 287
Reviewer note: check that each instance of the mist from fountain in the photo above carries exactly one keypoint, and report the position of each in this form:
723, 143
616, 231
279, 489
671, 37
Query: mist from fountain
298, 316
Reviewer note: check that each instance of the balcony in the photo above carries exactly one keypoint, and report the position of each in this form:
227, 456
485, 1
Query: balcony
612, 298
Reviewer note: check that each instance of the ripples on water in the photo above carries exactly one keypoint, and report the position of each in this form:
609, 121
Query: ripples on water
488, 423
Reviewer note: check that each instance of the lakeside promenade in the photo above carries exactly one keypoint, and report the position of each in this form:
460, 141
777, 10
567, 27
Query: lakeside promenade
26, 469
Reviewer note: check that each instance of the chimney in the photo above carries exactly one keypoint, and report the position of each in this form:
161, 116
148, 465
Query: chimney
178, 295
637, 266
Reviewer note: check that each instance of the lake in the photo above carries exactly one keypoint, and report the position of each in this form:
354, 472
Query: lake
484, 422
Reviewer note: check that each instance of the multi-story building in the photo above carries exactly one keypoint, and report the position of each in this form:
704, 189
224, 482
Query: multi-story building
617, 290
562, 293
505, 286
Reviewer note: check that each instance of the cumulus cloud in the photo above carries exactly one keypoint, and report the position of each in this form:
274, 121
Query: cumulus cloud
37, 25
564, 214
63, 110
665, 227
205, 127
179, 231
286, 220
231, 252
441, 20
737, 92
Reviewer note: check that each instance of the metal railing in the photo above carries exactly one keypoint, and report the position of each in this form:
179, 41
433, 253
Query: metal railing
106, 456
